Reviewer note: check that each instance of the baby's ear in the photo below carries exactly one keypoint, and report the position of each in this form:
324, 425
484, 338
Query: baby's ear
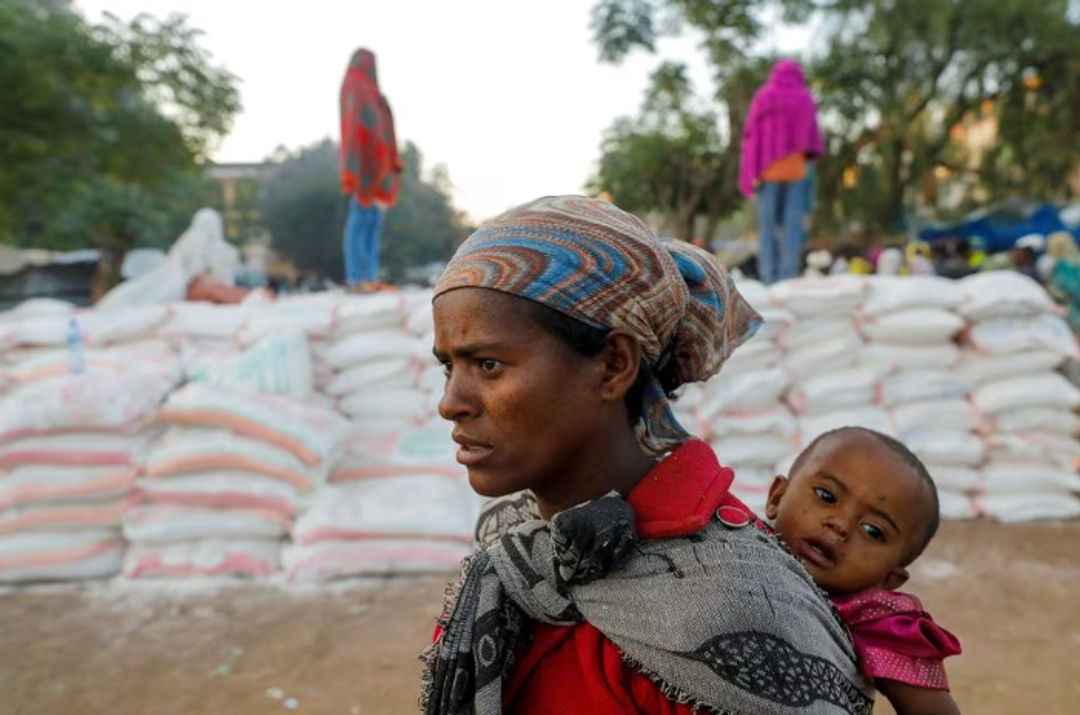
895, 579
776, 493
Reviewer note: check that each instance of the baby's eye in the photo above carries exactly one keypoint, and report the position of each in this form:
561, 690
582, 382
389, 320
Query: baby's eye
825, 495
874, 532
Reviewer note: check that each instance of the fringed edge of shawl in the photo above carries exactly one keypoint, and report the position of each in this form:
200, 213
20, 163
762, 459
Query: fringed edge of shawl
673, 693
430, 656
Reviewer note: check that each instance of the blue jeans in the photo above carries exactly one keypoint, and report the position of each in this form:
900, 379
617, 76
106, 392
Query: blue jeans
781, 207
362, 229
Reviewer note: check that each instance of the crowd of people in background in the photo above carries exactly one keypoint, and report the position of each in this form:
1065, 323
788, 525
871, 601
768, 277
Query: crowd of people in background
1052, 261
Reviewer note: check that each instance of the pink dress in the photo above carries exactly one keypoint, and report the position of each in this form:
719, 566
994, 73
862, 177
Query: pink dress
895, 639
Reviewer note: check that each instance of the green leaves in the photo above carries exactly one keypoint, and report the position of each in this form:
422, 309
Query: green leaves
102, 126
894, 80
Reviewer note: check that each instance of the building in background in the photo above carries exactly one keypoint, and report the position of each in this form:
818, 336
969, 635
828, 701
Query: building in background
239, 184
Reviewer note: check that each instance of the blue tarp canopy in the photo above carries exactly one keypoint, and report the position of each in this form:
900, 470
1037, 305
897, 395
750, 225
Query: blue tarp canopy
1000, 226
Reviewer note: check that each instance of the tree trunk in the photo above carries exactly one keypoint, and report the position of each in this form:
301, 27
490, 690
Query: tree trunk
683, 224
107, 275
893, 216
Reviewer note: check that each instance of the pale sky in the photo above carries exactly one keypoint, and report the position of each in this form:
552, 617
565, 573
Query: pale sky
510, 97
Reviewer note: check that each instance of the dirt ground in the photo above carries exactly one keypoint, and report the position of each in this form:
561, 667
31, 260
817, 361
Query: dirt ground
1011, 593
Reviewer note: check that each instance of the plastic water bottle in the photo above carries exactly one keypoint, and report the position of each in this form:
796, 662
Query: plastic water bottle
76, 359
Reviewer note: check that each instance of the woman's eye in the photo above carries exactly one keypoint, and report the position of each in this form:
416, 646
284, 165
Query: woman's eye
825, 495
874, 532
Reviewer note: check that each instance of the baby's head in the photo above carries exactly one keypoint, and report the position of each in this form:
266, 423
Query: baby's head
856, 509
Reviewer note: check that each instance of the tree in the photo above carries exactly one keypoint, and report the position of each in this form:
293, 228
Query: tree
700, 137
899, 77
894, 80
303, 208
102, 128
670, 159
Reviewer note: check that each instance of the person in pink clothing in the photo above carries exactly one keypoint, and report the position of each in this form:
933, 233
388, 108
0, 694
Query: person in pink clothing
780, 140
856, 509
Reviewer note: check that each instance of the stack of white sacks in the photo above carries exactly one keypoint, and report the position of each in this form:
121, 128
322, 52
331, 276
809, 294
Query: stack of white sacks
964, 373
80, 388
223, 485
41, 338
70, 449
1028, 410
315, 419
741, 410
912, 324
397, 501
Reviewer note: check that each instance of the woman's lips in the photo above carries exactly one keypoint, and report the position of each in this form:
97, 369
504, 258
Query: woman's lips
471, 452
472, 455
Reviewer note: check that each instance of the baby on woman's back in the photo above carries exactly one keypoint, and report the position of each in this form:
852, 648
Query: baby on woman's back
857, 508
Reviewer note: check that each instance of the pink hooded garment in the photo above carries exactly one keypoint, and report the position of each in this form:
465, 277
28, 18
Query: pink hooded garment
782, 122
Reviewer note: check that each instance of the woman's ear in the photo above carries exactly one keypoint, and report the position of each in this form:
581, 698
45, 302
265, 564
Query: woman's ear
776, 493
621, 361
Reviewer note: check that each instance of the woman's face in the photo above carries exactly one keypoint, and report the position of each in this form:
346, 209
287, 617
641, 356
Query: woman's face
522, 402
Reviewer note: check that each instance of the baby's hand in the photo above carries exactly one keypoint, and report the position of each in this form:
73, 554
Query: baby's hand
913, 700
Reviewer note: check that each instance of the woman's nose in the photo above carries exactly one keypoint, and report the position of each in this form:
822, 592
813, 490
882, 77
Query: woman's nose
457, 401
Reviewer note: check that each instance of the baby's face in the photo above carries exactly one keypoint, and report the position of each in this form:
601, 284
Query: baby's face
851, 513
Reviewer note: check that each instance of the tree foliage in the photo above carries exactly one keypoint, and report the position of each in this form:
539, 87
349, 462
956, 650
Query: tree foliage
102, 128
894, 78
304, 209
670, 159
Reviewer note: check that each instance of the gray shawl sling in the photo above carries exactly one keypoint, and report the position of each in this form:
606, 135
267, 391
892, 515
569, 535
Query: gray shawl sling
724, 619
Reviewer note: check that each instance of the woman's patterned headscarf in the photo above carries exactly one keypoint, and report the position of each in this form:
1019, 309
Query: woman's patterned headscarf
604, 267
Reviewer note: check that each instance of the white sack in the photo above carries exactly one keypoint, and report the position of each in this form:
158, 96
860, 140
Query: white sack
926, 384
946, 447
873, 418
825, 357
775, 421
918, 326
279, 364
162, 523
954, 478
979, 368
313, 433
209, 557
328, 560
761, 451
834, 391
810, 332
1002, 293
419, 505
951, 414
1029, 477
898, 357
1037, 419
888, 294
365, 347
388, 372
1013, 508
819, 297
746, 391
1045, 390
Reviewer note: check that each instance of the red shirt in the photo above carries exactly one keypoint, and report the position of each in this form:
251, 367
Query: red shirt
576, 669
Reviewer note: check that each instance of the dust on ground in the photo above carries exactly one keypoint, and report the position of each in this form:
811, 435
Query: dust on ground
1010, 592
